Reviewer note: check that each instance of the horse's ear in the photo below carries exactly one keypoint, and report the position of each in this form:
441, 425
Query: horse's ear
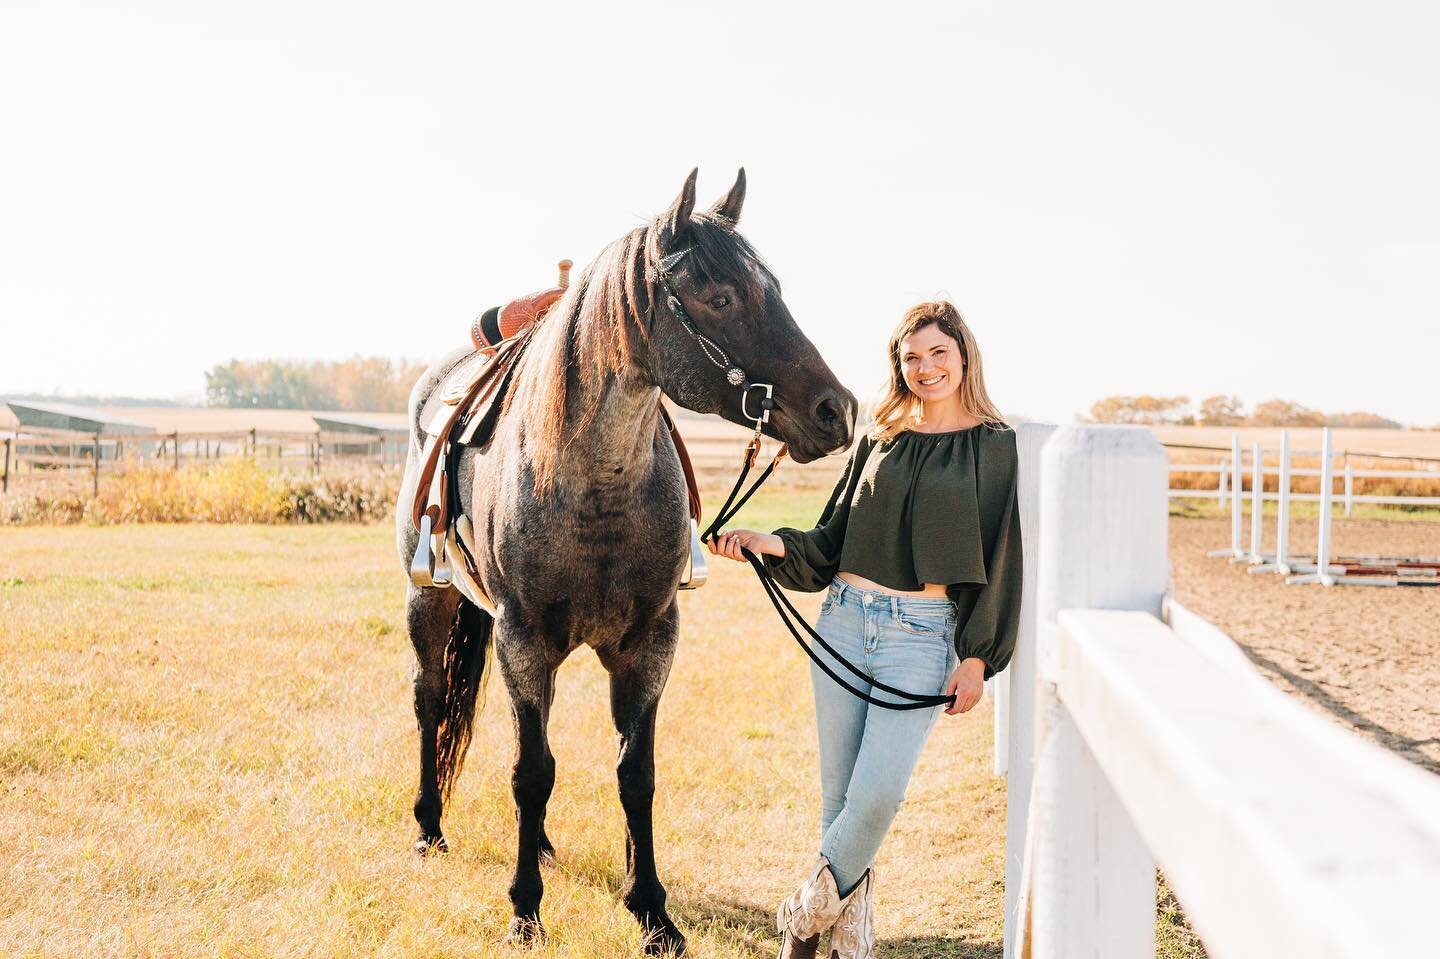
677, 219
729, 205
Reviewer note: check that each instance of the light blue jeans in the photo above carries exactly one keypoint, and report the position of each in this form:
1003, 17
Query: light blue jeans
867, 753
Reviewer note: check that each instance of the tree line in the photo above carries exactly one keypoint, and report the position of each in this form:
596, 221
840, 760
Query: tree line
370, 383
1222, 410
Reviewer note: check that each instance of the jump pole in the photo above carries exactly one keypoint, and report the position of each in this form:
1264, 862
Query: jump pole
1322, 550
1234, 553
1281, 561
1257, 487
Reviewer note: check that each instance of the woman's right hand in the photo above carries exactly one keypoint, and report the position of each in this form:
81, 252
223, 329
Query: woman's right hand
730, 543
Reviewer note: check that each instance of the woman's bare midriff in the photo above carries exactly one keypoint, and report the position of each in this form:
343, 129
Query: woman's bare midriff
854, 579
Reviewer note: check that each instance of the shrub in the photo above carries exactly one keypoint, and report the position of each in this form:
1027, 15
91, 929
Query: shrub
228, 491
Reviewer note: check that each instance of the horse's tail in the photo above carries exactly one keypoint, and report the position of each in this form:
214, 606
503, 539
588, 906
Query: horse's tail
468, 652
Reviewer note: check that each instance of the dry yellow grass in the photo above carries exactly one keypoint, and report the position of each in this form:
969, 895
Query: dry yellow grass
207, 749
237, 490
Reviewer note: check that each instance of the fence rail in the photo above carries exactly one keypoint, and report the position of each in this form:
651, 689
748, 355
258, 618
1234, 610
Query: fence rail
1281, 833
38, 455
1230, 477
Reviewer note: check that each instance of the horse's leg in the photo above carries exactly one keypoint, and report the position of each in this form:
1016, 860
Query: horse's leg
430, 616
635, 686
531, 681
547, 848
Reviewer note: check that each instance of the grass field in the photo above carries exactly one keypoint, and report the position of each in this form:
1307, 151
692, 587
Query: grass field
207, 749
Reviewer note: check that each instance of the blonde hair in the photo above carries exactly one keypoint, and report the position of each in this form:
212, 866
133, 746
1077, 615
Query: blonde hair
898, 408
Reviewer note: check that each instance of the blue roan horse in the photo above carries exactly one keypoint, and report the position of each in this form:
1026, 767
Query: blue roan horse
580, 519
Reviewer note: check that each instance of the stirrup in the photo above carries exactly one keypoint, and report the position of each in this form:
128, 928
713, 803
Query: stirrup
444, 574
696, 569
430, 566
422, 564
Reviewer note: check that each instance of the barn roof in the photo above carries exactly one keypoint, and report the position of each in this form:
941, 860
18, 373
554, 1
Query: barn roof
373, 425
68, 416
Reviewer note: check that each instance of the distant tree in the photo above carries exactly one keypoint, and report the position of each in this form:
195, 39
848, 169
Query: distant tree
360, 383
1146, 409
1221, 410
1363, 421
271, 384
1284, 413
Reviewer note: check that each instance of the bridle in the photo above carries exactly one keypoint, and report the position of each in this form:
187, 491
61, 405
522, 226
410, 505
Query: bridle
735, 376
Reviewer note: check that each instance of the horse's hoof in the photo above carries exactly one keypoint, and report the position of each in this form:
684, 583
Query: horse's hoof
664, 939
524, 932
430, 846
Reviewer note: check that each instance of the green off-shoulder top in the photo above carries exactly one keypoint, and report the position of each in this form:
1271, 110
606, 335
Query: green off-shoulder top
925, 508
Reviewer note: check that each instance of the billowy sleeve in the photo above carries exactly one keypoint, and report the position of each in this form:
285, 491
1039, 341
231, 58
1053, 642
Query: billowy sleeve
990, 632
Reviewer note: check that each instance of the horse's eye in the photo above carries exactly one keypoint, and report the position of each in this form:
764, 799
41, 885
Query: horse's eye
719, 302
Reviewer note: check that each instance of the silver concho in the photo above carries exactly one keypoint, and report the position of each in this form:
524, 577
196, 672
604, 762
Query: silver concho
735, 375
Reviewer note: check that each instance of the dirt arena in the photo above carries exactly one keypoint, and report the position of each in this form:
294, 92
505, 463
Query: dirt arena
1367, 657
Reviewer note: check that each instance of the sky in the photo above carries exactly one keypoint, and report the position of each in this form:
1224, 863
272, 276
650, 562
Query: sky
1165, 198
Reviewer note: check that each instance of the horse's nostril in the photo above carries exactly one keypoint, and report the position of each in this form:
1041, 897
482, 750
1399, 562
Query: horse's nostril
828, 412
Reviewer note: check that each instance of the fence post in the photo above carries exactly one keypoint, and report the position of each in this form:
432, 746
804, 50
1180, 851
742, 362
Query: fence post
5, 480
1103, 528
1224, 465
253, 441
176, 450
96, 487
1017, 718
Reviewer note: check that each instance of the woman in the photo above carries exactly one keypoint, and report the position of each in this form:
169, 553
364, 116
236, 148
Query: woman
919, 547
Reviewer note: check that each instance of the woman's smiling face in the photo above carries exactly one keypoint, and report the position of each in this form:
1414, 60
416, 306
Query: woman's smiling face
931, 363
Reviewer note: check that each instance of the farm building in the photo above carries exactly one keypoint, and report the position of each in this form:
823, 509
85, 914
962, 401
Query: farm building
349, 434
37, 418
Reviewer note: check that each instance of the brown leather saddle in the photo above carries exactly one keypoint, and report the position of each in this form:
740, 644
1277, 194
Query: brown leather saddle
462, 411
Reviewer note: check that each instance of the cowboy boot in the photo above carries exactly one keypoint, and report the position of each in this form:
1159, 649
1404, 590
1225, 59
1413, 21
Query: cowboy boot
854, 934
807, 912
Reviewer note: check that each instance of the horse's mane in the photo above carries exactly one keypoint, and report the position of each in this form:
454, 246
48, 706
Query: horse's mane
604, 318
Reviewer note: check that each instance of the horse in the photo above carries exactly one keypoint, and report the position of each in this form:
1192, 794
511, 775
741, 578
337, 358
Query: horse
581, 525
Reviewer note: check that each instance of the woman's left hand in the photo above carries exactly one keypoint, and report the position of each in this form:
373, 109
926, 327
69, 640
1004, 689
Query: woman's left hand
967, 685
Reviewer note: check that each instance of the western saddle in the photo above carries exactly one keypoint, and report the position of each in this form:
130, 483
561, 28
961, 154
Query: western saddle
460, 412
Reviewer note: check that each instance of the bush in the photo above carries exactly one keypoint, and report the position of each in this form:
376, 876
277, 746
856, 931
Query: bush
230, 491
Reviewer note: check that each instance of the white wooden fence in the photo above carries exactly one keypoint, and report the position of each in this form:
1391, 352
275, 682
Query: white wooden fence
1137, 733
1230, 468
